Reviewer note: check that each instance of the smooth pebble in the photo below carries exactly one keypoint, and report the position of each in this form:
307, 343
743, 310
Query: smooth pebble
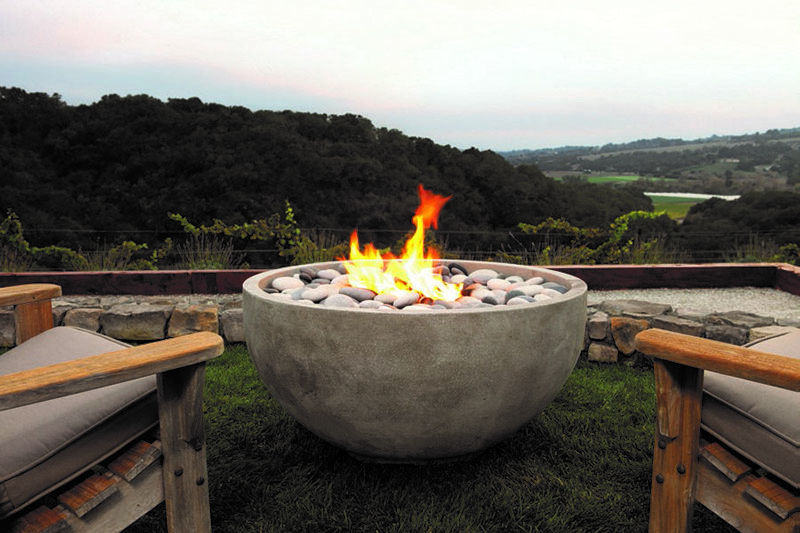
385, 298
357, 294
482, 275
520, 300
329, 274
555, 286
497, 283
406, 299
339, 300
317, 294
370, 304
482, 288
287, 282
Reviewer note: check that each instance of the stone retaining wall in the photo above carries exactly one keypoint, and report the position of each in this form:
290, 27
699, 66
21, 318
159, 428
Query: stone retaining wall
612, 325
143, 318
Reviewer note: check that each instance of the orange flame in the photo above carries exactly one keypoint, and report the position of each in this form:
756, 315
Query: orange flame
413, 270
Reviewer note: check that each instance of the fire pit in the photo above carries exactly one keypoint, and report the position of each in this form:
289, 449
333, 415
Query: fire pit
429, 366
414, 386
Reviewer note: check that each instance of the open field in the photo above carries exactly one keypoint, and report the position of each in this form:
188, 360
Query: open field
601, 178
677, 205
613, 179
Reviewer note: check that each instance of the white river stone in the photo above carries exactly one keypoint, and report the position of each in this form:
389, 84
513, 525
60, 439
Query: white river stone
458, 278
370, 304
519, 300
552, 293
468, 301
481, 293
497, 284
339, 300
531, 290
342, 279
286, 282
482, 275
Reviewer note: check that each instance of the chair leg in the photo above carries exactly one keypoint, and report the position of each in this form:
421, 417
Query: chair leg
679, 393
180, 405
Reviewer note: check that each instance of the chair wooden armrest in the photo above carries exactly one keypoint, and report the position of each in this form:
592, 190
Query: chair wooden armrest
745, 363
679, 365
46, 383
33, 310
34, 292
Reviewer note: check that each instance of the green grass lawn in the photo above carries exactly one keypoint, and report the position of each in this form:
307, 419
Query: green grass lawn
675, 206
590, 178
584, 464
615, 178
612, 179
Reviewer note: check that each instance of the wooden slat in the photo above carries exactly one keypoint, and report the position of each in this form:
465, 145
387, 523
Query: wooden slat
135, 459
724, 461
727, 500
45, 383
40, 520
88, 494
774, 497
745, 363
31, 292
130, 502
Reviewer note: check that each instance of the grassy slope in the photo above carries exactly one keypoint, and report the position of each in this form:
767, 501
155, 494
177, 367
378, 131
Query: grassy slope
584, 464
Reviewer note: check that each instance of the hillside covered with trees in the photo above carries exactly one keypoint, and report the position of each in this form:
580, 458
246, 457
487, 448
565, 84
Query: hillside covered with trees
93, 176
113, 170
731, 164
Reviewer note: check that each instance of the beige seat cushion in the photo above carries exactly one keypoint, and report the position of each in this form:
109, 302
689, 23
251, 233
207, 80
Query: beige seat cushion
47, 444
759, 421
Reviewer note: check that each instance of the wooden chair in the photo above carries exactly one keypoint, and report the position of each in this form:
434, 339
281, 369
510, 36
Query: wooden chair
176, 368
742, 483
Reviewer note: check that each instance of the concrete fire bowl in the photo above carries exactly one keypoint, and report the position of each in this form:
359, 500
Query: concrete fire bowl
412, 387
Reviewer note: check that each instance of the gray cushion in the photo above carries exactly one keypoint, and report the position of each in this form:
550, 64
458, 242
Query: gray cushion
759, 421
47, 444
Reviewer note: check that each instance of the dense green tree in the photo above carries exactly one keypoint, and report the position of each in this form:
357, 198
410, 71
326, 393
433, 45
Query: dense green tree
715, 227
112, 170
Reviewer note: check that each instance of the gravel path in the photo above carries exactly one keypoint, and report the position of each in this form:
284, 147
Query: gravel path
764, 302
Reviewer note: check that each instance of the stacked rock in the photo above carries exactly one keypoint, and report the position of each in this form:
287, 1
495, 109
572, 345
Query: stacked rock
482, 288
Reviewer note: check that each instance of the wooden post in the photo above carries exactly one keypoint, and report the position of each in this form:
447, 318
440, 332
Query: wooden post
679, 393
32, 318
33, 312
180, 408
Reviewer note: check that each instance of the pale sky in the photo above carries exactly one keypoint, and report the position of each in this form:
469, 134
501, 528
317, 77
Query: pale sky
500, 75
